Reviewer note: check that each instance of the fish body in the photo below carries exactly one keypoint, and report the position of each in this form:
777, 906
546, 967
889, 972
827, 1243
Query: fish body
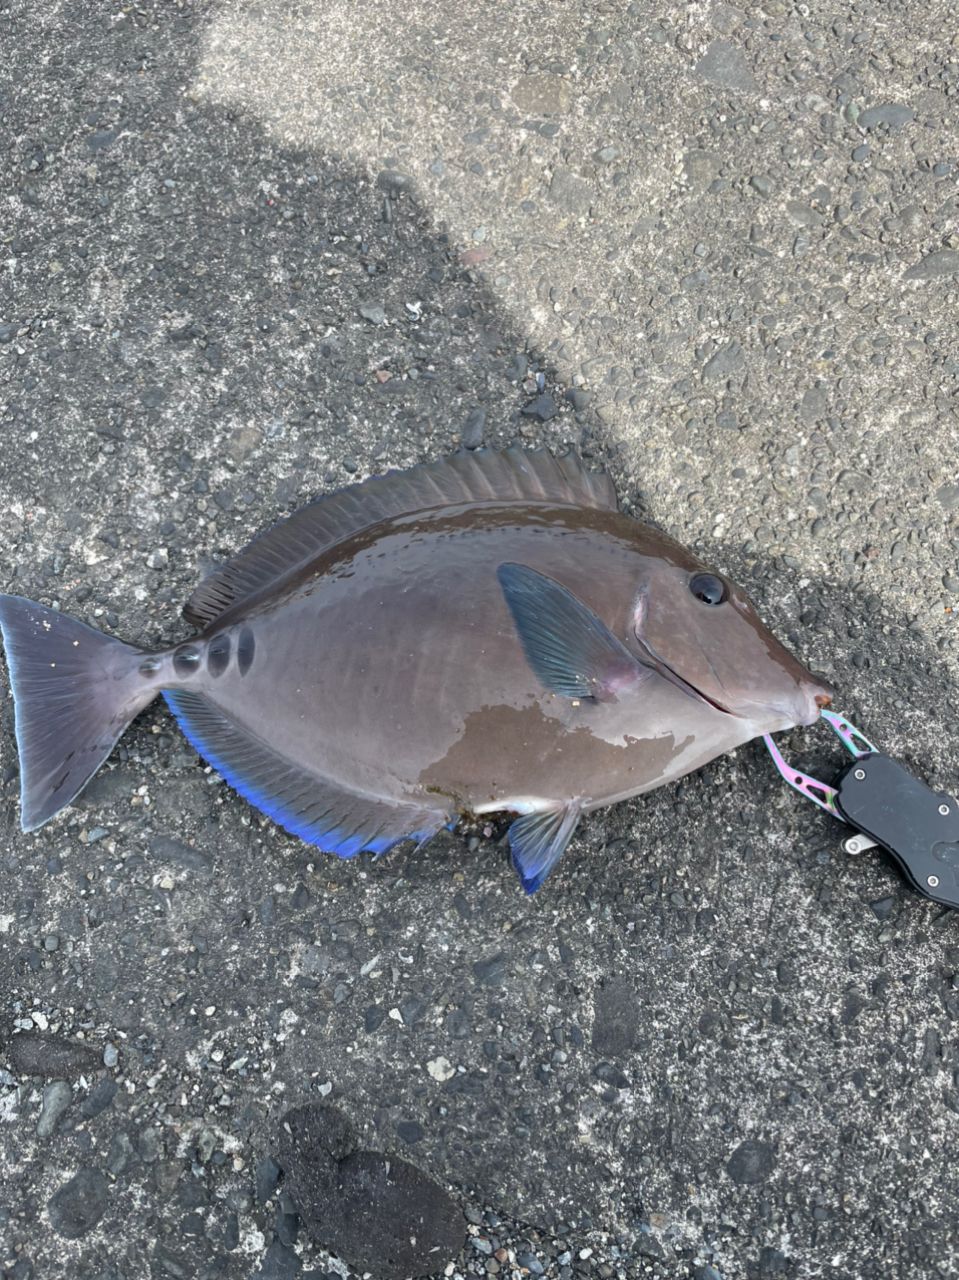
487, 633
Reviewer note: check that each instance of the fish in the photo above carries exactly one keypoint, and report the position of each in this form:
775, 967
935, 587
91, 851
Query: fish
486, 633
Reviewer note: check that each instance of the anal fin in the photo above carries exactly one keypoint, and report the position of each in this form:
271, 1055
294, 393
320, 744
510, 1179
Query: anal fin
537, 841
319, 811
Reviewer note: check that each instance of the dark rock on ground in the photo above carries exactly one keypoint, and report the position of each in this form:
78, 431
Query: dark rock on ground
725, 65
38, 1053
579, 399
267, 1178
570, 192
471, 437
57, 1097
751, 1162
726, 361
99, 1098
79, 1204
394, 183
543, 407
378, 1211
616, 1020
941, 262
279, 1263
891, 114
166, 848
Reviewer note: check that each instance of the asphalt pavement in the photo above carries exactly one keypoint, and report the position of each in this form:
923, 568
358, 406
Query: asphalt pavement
250, 253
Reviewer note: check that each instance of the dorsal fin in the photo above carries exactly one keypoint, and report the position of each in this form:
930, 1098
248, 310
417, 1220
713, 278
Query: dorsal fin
487, 475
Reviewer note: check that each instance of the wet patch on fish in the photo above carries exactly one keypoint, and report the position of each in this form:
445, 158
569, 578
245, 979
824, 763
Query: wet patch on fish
505, 743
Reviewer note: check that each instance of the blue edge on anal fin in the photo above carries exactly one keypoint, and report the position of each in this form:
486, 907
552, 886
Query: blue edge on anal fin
537, 841
319, 813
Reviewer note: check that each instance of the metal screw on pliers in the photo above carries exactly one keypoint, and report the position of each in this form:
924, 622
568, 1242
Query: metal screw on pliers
944, 809
932, 882
859, 775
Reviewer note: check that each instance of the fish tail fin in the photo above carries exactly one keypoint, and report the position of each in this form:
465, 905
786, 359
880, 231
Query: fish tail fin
74, 692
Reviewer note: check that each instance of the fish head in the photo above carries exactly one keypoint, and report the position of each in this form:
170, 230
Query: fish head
702, 632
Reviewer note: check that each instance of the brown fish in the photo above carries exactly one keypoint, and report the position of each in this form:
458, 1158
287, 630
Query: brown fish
484, 633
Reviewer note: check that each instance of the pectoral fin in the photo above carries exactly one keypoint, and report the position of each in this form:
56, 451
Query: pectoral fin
537, 841
571, 650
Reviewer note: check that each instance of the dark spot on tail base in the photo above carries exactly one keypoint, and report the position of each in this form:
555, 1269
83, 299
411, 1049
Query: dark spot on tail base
186, 660
245, 650
218, 655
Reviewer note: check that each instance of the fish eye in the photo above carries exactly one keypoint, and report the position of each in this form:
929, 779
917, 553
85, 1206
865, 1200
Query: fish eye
708, 588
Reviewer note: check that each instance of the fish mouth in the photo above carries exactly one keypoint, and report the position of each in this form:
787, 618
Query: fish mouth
663, 668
